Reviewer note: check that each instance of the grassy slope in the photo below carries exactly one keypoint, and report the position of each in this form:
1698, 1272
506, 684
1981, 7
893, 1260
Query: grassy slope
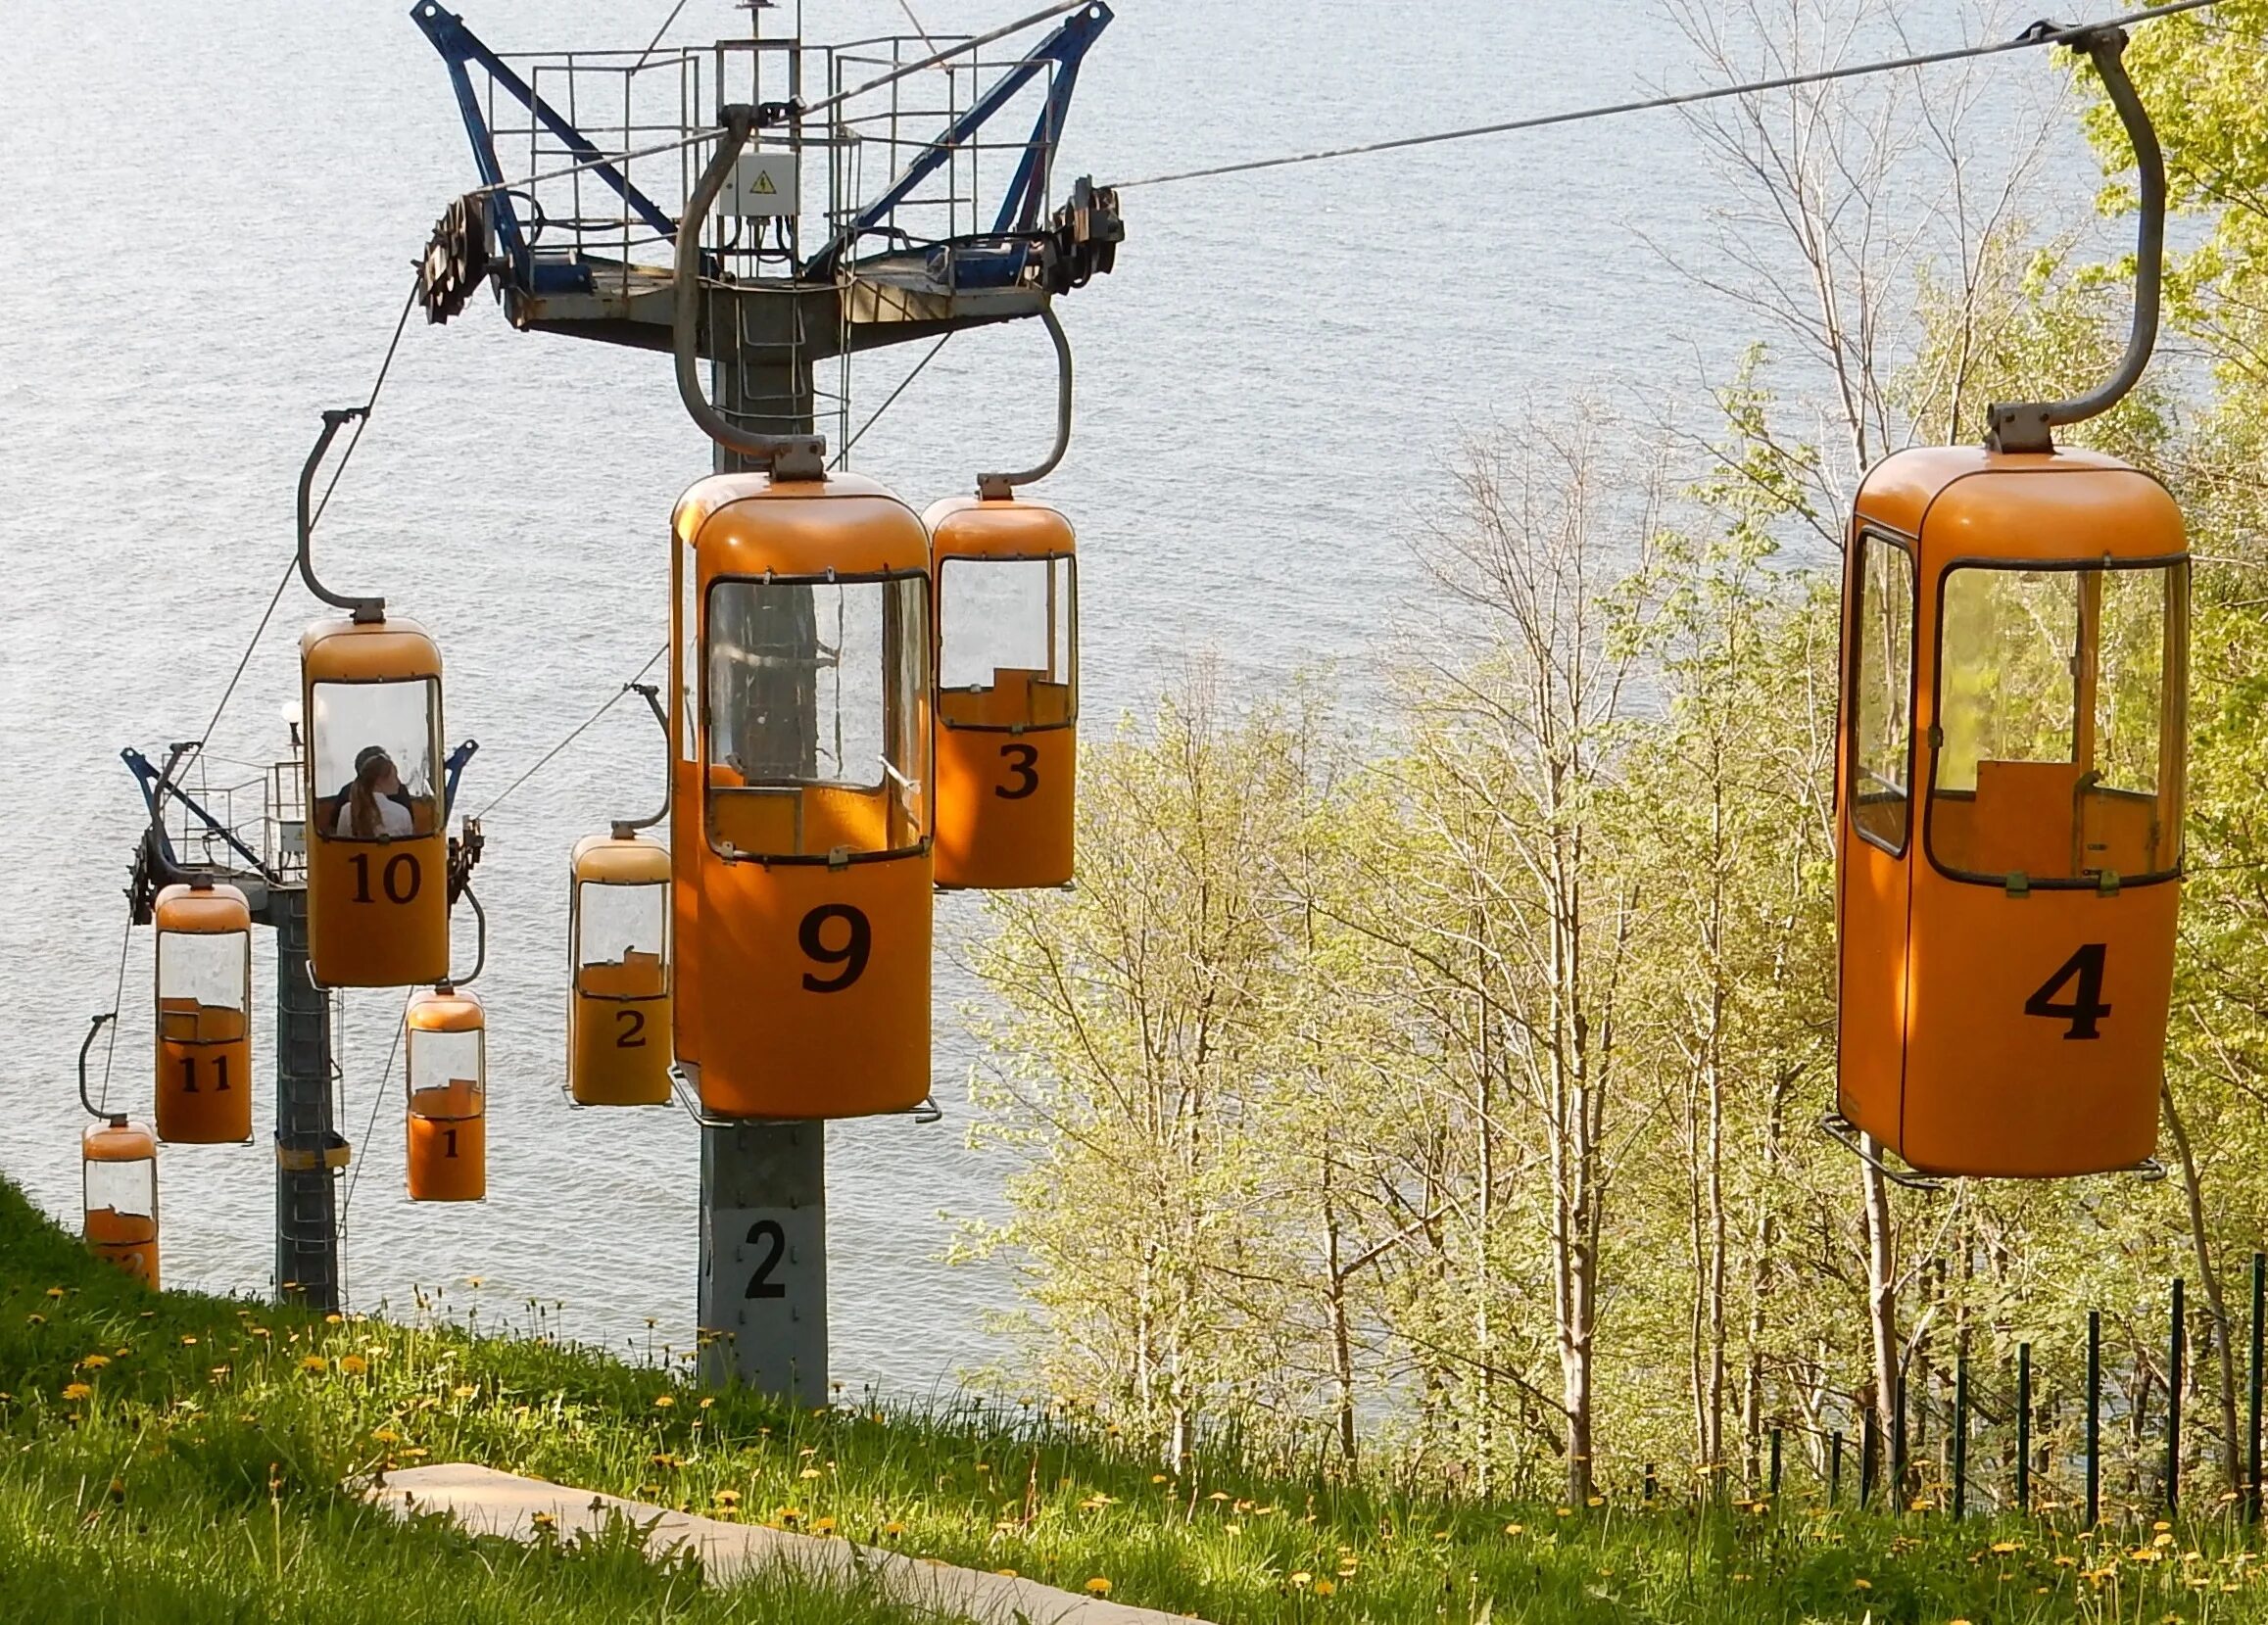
199, 1475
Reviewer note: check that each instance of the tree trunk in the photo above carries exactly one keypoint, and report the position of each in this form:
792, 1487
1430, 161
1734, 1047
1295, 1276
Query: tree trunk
2216, 1304
1881, 1294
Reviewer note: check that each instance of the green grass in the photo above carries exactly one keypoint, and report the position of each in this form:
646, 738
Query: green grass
198, 1478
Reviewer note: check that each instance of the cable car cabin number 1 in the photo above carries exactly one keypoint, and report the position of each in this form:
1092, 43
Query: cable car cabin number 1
2009, 850
800, 822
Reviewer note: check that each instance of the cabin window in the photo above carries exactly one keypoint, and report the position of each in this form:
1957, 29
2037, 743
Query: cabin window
1009, 624
818, 717
1882, 693
2059, 723
376, 750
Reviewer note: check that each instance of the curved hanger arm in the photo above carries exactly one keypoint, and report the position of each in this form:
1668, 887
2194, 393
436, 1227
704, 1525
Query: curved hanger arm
94, 1026
625, 828
999, 486
2028, 427
790, 456
363, 610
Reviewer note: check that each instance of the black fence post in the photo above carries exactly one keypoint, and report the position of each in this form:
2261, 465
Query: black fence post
1897, 1484
2094, 1417
1960, 1435
1653, 1483
1869, 1453
2252, 1436
1834, 1468
1775, 1478
2175, 1350
2023, 1427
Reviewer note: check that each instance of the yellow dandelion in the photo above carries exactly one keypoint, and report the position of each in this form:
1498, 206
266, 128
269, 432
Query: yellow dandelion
894, 1529
188, 1342
823, 1526
1323, 1587
1565, 1512
1301, 1578
315, 1365
708, 1399
463, 1390
54, 1292
2004, 1548
1098, 1586
1005, 1573
663, 1402
1515, 1528
810, 1472
334, 1320
36, 1319
1159, 1479
544, 1520
1862, 1585
353, 1365
77, 1390
95, 1361
728, 1498
1597, 1501
787, 1514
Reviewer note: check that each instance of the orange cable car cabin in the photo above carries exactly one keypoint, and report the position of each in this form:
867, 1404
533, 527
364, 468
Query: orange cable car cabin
119, 1167
2009, 809
801, 797
204, 994
446, 1062
619, 1021
377, 842
1007, 747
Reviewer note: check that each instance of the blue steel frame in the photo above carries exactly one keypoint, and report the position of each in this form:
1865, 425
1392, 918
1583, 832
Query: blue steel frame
458, 45
1020, 210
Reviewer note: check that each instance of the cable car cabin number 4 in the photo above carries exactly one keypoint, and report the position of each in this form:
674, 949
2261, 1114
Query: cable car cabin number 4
2015, 651
377, 846
801, 699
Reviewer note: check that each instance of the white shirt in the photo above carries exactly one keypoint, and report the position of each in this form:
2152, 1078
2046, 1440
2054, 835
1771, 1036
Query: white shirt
393, 818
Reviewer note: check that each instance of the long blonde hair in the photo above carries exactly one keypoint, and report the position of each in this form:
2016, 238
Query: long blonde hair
363, 819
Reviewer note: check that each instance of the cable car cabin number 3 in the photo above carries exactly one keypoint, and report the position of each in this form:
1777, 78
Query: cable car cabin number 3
2015, 651
800, 805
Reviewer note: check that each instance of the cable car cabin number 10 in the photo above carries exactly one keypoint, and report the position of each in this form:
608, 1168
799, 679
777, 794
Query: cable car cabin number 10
377, 846
2015, 654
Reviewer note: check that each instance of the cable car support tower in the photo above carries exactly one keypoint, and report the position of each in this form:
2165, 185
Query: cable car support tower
847, 198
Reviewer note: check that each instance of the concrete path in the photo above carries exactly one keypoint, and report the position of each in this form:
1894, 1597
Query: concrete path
492, 1502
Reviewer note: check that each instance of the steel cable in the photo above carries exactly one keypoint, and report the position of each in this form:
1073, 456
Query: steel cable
2030, 39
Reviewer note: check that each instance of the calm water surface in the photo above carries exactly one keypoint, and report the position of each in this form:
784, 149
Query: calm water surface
212, 212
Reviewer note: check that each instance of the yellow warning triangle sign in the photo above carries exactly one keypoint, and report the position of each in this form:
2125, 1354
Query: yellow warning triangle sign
764, 186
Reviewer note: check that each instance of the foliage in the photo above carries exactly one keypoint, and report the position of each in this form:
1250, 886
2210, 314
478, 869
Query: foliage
200, 1476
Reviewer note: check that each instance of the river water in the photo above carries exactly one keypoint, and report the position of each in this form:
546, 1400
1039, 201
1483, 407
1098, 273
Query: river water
212, 212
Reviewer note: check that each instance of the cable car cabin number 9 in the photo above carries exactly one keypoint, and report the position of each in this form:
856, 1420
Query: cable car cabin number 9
2016, 654
377, 846
801, 802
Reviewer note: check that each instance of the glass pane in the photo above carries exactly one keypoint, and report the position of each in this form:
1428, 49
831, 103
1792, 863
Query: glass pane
2130, 685
123, 1188
375, 750
1005, 616
795, 682
2007, 686
445, 1072
621, 933
203, 969
2060, 704
1882, 721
